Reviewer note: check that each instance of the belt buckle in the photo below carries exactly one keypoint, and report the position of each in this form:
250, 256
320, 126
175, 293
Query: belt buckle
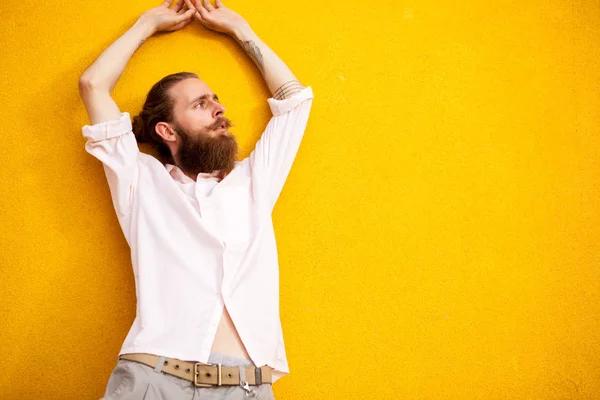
196, 373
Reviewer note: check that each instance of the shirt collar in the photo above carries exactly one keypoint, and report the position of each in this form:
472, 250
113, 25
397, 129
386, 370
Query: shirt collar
177, 174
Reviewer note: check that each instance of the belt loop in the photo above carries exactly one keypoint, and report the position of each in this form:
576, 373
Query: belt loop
159, 364
242, 373
258, 376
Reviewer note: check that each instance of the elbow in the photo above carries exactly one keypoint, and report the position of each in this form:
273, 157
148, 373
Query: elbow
86, 84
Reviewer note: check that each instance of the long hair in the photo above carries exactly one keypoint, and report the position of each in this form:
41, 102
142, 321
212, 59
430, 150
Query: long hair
158, 107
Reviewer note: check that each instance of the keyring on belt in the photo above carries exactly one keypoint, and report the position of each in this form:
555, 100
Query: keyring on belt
249, 392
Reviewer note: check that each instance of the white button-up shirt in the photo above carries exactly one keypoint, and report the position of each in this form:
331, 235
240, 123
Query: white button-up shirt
198, 246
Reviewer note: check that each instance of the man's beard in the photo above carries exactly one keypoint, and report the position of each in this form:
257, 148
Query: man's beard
201, 152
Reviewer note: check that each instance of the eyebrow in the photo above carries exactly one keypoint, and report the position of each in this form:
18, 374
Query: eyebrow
204, 96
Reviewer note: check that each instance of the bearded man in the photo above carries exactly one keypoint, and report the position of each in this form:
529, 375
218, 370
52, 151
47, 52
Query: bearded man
198, 222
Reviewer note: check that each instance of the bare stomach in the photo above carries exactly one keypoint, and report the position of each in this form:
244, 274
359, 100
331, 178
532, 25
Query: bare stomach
227, 341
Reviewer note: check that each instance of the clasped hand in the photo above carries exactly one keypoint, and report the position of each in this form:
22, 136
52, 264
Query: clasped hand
218, 18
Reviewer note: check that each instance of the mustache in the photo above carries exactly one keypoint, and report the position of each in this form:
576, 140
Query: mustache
221, 122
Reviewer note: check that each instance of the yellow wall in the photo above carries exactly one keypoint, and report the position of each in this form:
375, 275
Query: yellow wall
438, 234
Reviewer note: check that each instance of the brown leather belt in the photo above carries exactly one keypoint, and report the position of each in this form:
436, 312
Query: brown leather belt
204, 375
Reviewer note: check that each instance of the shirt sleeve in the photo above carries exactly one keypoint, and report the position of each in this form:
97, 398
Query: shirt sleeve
272, 158
114, 144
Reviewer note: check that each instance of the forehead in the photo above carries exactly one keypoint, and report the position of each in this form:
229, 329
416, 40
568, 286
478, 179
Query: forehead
187, 90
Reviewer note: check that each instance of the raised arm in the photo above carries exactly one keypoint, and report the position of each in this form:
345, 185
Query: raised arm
96, 83
279, 78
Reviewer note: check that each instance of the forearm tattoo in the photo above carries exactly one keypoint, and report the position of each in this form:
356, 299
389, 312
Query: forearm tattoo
253, 51
287, 90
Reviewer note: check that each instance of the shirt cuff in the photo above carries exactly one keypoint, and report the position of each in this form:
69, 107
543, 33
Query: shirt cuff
283, 106
108, 129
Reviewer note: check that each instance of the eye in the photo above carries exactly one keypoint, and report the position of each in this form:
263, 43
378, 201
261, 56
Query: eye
201, 103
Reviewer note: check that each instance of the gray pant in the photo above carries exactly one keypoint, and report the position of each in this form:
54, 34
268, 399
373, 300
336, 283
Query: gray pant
131, 380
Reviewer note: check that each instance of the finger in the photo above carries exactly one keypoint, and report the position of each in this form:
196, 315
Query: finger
183, 17
203, 11
168, 3
208, 6
219, 4
178, 6
198, 6
199, 17
181, 25
189, 5
184, 8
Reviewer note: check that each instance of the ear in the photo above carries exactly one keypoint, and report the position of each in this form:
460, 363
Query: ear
165, 131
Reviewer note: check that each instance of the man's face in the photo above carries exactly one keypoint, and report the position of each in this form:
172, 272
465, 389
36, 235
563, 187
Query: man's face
204, 144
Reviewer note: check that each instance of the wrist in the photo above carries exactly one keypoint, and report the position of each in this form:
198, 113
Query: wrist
242, 33
145, 26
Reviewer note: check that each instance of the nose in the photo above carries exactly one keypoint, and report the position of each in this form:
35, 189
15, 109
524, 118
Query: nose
218, 110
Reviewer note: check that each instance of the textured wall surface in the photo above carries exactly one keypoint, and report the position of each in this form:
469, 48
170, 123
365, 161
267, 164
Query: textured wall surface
438, 234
